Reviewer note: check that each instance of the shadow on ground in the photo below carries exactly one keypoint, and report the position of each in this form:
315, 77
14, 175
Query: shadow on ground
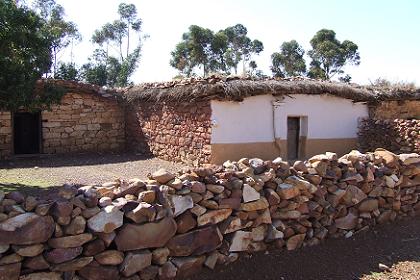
70, 160
26, 189
345, 259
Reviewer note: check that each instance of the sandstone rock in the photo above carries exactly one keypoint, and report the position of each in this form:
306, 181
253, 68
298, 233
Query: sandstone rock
213, 217
181, 204
41, 276
90, 212
185, 222
384, 217
301, 184
29, 251
107, 238
195, 242
149, 273
212, 259
144, 212
216, 189
160, 255
259, 233
249, 194
135, 262
30, 203
26, 229
107, 220
368, 205
9, 259
240, 241
10, 271
198, 210
105, 201
94, 247
295, 241
36, 263
147, 196
163, 176
348, 222
233, 224
167, 271
76, 226
353, 195
389, 158
70, 241
153, 235
60, 255
232, 203
287, 191
73, 265
198, 187
110, 257
62, 208
259, 204
273, 234
408, 159
98, 272
188, 266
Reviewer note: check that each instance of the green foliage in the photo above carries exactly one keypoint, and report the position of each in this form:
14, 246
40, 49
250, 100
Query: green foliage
289, 61
214, 52
329, 55
67, 71
61, 32
25, 56
113, 62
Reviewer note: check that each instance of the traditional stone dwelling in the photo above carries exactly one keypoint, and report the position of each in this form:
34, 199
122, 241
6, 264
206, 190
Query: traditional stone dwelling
216, 119
88, 118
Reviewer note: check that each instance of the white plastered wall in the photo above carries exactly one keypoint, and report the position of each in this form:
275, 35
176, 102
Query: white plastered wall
251, 121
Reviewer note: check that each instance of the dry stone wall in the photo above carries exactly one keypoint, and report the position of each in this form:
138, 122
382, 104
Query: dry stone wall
396, 135
172, 225
83, 122
177, 132
5, 134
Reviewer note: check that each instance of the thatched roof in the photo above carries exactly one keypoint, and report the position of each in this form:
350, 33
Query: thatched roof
238, 88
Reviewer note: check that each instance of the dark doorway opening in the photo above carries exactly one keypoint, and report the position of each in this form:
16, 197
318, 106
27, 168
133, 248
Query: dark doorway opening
293, 135
26, 133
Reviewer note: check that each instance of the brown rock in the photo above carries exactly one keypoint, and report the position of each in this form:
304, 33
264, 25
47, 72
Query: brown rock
167, 271
30, 203
213, 217
348, 222
153, 235
233, 224
160, 255
73, 265
107, 220
240, 241
249, 194
90, 212
110, 257
41, 276
62, 208
195, 242
389, 158
163, 176
26, 229
216, 189
188, 266
144, 212
94, 247
198, 187
353, 195
18, 197
36, 263
259, 204
9, 259
60, 255
135, 262
295, 241
76, 226
368, 205
232, 203
147, 196
185, 222
149, 273
94, 271
287, 191
272, 197
29, 251
70, 241
10, 271
384, 217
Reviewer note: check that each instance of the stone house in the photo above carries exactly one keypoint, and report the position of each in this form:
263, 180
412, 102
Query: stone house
88, 118
217, 119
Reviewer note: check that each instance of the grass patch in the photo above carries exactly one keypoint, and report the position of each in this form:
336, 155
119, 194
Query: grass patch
25, 185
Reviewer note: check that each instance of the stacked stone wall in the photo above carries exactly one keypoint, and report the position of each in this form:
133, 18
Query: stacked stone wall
173, 225
396, 135
178, 132
5, 134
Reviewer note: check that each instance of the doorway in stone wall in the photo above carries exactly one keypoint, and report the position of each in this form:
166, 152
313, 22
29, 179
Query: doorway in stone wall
293, 128
26, 133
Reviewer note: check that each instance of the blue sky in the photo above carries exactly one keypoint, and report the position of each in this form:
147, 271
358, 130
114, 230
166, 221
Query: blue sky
387, 32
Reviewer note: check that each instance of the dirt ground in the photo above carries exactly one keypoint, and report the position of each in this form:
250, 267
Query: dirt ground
395, 245
47, 171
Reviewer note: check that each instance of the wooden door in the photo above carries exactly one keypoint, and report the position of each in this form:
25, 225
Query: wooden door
26, 133
293, 128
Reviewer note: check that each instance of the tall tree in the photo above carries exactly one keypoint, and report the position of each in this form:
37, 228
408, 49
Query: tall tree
114, 61
329, 55
289, 61
61, 32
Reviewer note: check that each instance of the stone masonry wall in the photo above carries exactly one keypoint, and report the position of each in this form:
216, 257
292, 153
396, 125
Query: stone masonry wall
175, 132
396, 135
403, 109
5, 134
83, 122
172, 225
